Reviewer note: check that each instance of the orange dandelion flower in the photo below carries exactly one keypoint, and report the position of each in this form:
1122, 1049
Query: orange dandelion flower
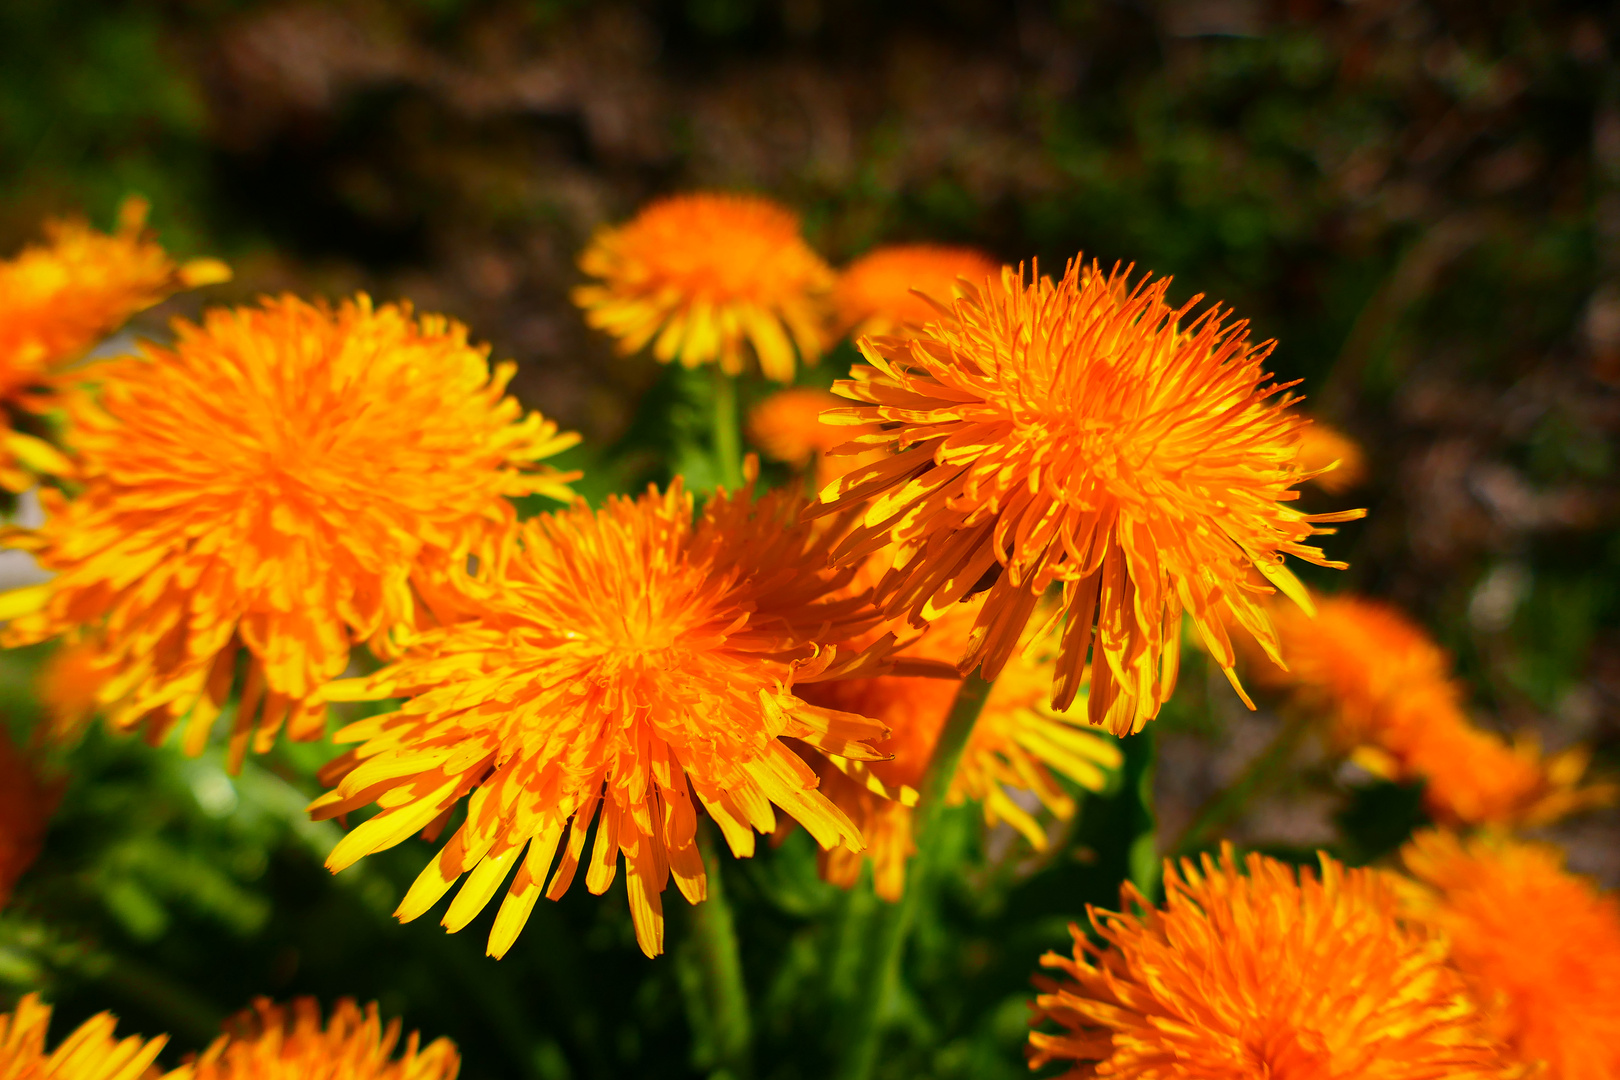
92, 1052
1397, 709
1077, 432
276, 482
1475, 777
1360, 658
877, 293
1540, 947
787, 425
698, 275
1016, 745
60, 298
627, 663
275, 1042
1263, 975
1332, 458
26, 804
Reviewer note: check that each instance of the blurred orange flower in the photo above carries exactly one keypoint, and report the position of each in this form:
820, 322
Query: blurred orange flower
27, 801
1539, 947
629, 663
698, 275
874, 294
1016, 745
67, 686
1078, 432
1399, 711
1258, 976
1324, 446
787, 425
60, 298
91, 1052
276, 1042
272, 483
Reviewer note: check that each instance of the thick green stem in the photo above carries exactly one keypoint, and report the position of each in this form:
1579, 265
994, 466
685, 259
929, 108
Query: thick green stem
850, 955
727, 431
715, 936
867, 1018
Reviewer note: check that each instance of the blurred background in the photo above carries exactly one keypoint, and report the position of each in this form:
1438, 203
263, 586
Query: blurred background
1420, 200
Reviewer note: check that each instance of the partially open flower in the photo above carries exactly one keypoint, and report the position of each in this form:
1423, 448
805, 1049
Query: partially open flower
1396, 707
1080, 431
1258, 976
60, 298
698, 276
278, 483
67, 686
624, 666
1333, 459
1539, 946
289, 1042
91, 1052
878, 293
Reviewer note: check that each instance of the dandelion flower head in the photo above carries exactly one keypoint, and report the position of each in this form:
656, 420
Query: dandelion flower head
1398, 709
59, 298
1080, 431
272, 483
1266, 975
1016, 746
877, 293
700, 275
1539, 946
91, 1052
278, 1042
628, 665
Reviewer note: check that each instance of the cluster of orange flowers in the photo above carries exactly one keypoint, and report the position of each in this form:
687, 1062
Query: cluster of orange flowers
1043, 479
268, 1042
289, 480
1447, 971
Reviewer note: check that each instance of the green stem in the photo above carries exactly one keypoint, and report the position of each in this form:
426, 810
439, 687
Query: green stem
715, 935
1143, 862
867, 1019
850, 954
1228, 805
727, 426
